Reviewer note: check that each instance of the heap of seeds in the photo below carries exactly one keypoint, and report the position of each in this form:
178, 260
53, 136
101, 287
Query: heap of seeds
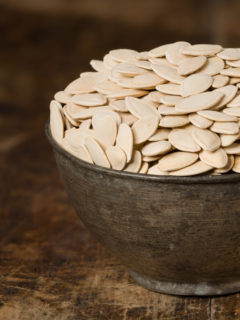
173, 110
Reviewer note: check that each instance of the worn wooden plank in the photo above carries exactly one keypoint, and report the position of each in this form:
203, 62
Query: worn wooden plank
227, 307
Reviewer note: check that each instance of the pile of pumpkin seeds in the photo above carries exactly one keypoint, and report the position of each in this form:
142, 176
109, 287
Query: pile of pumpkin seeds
173, 110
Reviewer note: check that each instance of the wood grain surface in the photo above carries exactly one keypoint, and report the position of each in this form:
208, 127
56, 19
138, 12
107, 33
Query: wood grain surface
51, 267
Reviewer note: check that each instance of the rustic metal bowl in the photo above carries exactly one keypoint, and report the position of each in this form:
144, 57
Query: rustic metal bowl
176, 235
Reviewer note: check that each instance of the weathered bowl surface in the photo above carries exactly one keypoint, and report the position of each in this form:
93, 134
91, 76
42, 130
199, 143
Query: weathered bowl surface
176, 235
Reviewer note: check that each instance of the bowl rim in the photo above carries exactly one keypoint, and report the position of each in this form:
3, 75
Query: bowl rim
201, 179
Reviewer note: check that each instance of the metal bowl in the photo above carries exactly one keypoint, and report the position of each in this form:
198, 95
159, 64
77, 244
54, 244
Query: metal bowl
176, 235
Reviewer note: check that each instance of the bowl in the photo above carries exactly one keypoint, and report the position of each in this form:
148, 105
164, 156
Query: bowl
176, 235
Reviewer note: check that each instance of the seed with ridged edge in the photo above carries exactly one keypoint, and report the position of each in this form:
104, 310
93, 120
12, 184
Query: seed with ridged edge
124, 140
173, 121
159, 51
123, 55
169, 100
216, 159
56, 121
233, 149
169, 88
182, 140
190, 65
96, 152
105, 130
202, 49
139, 108
229, 93
195, 83
231, 72
136, 162
228, 166
225, 127
230, 54
206, 139
155, 171
200, 121
228, 139
155, 148
144, 168
116, 157
160, 134
173, 52
216, 116
89, 99
177, 160
198, 167
199, 101
236, 166
167, 73
213, 66
144, 128
220, 81
232, 112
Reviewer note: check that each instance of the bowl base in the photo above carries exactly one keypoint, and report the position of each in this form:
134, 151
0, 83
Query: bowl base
186, 289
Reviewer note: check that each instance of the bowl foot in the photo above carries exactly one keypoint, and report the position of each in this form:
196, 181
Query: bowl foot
186, 289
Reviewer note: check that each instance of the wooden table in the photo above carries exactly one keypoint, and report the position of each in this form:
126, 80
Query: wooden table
51, 267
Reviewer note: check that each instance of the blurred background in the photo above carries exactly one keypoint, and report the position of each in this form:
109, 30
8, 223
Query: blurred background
45, 44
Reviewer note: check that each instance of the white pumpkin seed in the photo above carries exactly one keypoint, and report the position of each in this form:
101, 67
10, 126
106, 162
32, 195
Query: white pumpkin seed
228, 139
176, 160
160, 134
89, 100
236, 166
116, 157
124, 140
169, 88
217, 115
173, 52
191, 65
182, 140
199, 101
216, 159
206, 139
56, 121
140, 109
233, 149
196, 168
213, 66
228, 166
232, 112
229, 54
144, 128
96, 152
195, 83
199, 121
167, 73
156, 148
153, 170
135, 164
202, 49
219, 81
144, 168
159, 51
225, 127
174, 121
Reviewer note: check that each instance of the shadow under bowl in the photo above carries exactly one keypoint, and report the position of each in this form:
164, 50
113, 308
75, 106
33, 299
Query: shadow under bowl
176, 235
